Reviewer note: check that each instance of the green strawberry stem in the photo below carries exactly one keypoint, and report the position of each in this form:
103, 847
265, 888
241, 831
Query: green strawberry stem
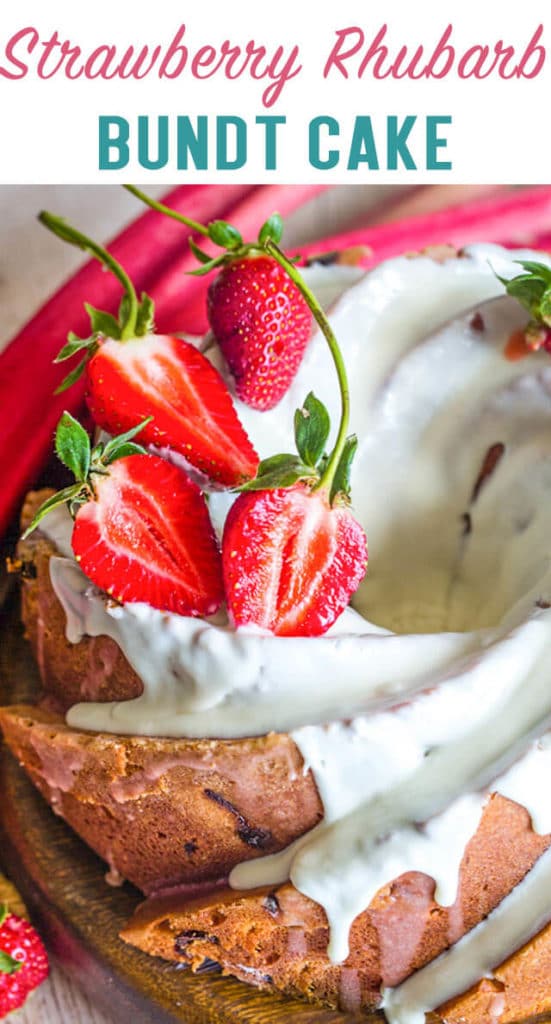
328, 475
161, 208
63, 230
218, 231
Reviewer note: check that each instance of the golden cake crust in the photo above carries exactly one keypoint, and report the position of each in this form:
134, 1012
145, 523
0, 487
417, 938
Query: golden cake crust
165, 812
93, 670
149, 807
277, 938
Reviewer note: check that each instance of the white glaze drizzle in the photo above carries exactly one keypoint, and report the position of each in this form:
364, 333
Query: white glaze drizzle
202, 679
385, 829
381, 832
520, 916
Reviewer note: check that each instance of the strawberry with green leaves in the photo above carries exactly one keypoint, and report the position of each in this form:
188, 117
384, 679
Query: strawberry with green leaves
23, 961
258, 316
292, 552
533, 290
142, 530
132, 374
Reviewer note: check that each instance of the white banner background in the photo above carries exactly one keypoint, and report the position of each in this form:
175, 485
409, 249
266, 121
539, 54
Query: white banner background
498, 130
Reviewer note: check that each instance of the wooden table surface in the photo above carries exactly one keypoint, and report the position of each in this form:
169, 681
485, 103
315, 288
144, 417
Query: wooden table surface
32, 265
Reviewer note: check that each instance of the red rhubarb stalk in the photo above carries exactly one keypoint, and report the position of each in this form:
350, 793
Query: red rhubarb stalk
429, 199
513, 218
542, 241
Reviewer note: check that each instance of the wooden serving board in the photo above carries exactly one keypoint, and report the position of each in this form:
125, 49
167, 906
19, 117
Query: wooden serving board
79, 915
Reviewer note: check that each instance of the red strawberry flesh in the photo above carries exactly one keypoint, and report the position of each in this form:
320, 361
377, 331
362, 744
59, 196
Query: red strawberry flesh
262, 324
291, 562
192, 409
19, 940
147, 537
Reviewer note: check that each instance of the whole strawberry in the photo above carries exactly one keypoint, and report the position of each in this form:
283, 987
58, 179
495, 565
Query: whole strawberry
258, 315
262, 325
132, 374
23, 961
142, 530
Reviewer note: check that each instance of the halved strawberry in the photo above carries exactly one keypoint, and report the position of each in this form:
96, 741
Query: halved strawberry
290, 560
262, 324
132, 373
147, 537
142, 529
192, 410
